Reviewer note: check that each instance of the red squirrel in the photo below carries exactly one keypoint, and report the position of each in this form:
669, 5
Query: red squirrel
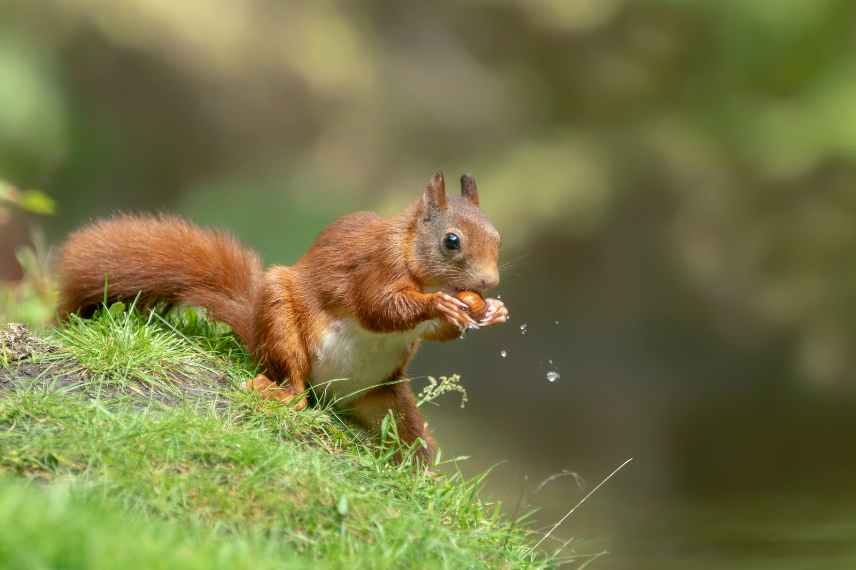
347, 317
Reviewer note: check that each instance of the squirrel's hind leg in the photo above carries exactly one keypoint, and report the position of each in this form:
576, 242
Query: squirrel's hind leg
279, 343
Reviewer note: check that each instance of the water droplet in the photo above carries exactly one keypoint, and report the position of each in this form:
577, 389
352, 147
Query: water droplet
523, 328
503, 353
552, 376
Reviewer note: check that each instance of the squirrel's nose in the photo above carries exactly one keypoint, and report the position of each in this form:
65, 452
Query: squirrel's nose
489, 281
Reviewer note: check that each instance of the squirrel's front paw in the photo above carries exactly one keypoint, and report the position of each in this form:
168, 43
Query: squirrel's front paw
270, 390
454, 311
495, 314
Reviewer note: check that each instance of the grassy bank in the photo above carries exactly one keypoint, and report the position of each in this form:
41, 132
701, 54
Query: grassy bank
126, 439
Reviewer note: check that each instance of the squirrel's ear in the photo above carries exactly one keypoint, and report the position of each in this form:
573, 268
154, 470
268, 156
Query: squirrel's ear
469, 189
434, 197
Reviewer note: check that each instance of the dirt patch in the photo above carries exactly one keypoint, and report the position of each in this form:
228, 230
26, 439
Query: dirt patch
18, 370
18, 343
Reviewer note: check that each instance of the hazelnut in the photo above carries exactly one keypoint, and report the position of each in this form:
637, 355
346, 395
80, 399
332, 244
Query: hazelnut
475, 302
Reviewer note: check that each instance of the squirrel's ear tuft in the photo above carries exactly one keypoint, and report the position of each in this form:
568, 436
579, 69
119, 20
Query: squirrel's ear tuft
434, 197
469, 189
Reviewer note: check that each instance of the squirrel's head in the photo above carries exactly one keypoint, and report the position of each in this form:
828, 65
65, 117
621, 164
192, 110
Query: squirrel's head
456, 246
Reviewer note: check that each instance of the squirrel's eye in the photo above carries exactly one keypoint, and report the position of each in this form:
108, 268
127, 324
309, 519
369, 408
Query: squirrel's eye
452, 241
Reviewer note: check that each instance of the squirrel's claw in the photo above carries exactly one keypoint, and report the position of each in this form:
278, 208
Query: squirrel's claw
270, 390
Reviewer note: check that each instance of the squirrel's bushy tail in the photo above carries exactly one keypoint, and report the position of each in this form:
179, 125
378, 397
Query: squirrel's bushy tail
163, 257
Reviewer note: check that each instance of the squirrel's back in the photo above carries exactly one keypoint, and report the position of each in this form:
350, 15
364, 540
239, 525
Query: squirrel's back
160, 257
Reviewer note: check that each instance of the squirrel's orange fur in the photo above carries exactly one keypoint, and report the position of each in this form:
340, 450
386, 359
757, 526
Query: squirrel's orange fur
352, 309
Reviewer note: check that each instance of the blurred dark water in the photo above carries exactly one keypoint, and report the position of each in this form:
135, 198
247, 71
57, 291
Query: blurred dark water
737, 463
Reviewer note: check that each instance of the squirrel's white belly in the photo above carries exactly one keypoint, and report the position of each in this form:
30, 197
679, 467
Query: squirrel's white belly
350, 359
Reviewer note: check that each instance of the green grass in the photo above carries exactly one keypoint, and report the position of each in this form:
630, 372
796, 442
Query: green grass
53, 527
126, 350
122, 345
221, 478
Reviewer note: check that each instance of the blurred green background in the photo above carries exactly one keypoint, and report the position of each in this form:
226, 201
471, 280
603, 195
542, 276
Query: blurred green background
675, 182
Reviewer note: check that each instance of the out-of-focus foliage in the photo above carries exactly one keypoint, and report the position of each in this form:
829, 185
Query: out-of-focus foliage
28, 200
32, 299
